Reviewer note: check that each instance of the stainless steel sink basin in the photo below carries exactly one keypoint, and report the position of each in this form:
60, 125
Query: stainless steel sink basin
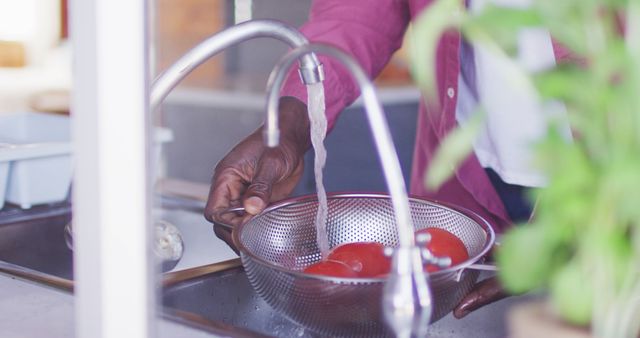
226, 299
32, 243
216, 298
223, 298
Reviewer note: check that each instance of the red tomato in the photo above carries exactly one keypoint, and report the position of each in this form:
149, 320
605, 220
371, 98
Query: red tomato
331, 268
367, 259
431, 268
445, 244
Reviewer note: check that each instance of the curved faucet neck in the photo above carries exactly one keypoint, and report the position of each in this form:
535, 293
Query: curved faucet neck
310, 69
377, 122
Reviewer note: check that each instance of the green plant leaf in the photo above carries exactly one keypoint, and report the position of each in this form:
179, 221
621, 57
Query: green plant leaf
525, 259
588, 212
620, 180
565, 21
502, 24
454, 149
572, 293
560, 83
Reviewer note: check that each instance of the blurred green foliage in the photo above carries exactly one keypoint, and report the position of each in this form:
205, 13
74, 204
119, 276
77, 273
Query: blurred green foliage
583, 244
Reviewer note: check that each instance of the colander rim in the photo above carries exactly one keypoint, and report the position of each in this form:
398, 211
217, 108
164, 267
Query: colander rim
484, 224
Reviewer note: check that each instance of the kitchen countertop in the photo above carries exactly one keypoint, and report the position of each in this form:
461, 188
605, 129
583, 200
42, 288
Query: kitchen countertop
47, 87
32, 310
256, 100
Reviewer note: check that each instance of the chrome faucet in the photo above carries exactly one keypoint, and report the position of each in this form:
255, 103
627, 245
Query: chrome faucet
310, 68
406, 297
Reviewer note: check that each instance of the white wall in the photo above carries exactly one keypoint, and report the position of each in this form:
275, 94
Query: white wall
36, 23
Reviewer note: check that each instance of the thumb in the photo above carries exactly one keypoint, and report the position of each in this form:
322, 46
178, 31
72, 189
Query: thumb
485, 292
258, 193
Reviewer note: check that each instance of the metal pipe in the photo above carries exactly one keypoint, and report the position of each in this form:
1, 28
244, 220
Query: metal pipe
407, 297
310, 68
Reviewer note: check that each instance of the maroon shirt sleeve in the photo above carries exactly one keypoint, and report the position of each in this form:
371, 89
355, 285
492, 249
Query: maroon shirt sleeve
369, 30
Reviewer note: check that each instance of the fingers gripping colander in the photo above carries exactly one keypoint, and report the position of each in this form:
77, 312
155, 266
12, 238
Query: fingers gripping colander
280, 242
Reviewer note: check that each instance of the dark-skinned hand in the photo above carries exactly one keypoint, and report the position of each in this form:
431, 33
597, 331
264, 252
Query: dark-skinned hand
483, 293
253, 175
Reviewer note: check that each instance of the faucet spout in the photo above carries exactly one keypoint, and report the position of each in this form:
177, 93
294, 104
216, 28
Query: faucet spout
310, 68
406, 298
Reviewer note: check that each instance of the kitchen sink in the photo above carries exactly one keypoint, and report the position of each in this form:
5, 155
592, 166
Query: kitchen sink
33, 241
216, 298
224, 298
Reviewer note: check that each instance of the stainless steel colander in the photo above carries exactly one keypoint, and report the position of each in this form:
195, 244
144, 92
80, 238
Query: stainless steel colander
279, 243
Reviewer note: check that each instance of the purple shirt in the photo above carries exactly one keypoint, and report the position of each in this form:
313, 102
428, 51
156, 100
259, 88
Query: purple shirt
371, 31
